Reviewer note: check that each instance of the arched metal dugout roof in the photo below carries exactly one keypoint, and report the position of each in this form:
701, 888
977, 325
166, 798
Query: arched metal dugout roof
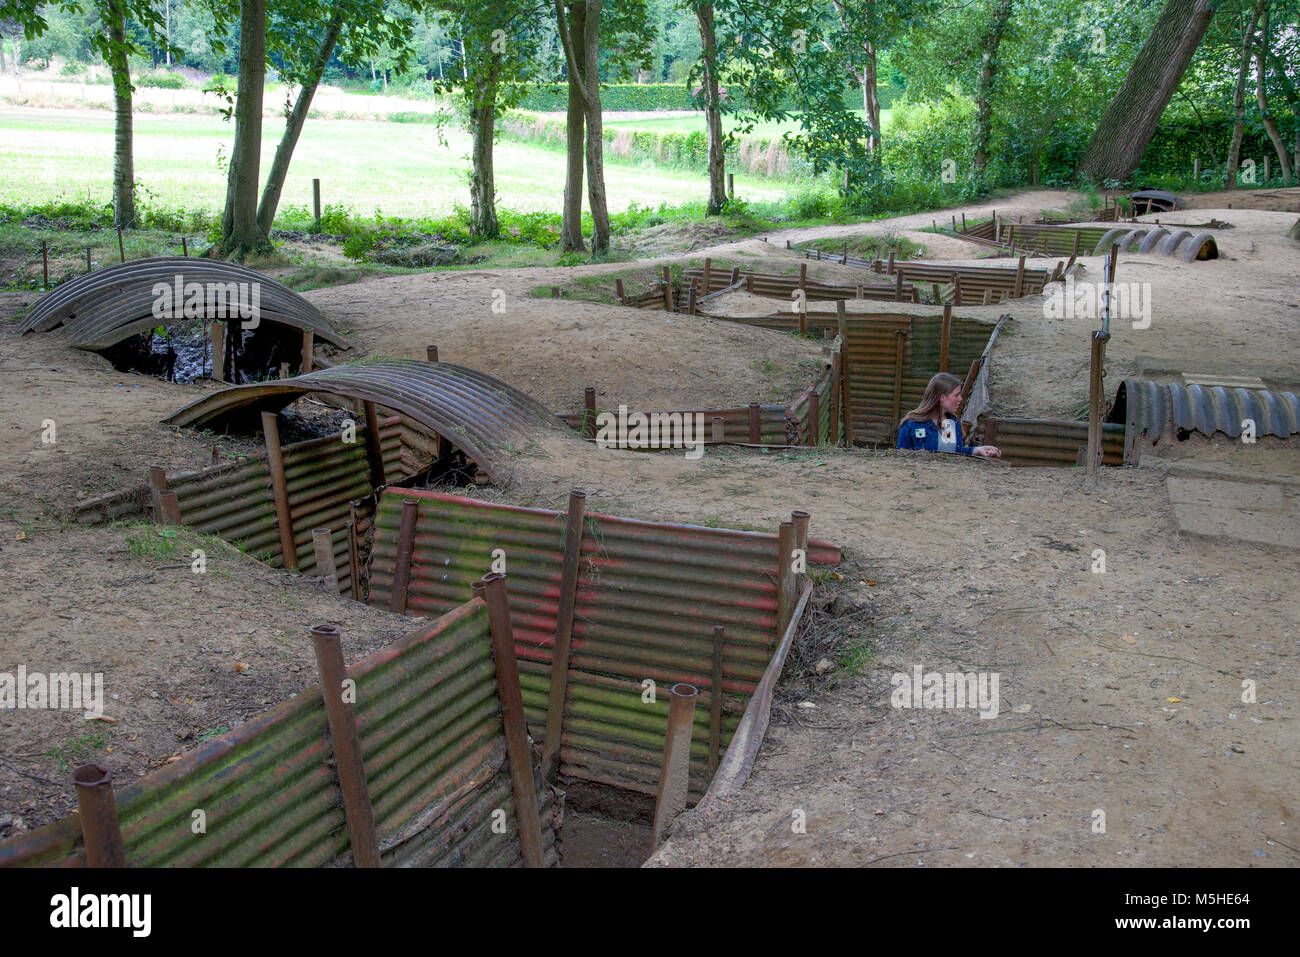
108, 305
1155, 409
482, 416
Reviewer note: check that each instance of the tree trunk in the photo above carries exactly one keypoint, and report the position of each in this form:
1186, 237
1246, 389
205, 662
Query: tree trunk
274, 187
1125, 129
1270, 123
123, 162
482, 185
1293, 99
595, 131
870, 99
1295, 231
984, 92
240, 233
712, 110
572, 27
1239, 100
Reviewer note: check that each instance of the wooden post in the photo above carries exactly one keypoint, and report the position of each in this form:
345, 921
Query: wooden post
492, 590
1096, 400
345, 741
938, 296
322, 540
706, 286
354, 550
668, 289
956, 289
803, 276
814, 418
731, 185
308, 343
715, 700
749, 283
279, 490
555, 292
735, 275
563, 633
963, 222
889, 270
185, 249
431, 353
284, 371
45, 263
1020, 279
845, 260
217, 343
803, 317
315, 204
618, 288
945, 337
169, 507
89, 267
898, 286
121, 247
690, 300
1196, 170
755, 423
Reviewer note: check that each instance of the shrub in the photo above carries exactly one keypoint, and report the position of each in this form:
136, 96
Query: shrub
162, 81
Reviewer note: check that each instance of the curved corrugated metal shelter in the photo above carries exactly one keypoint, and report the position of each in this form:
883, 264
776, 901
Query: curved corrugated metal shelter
482, 416
108, 305
1153, 410
1179, 242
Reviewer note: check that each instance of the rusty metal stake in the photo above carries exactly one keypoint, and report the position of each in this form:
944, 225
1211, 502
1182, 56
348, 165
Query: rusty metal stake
97, 806
157, 481
563, 634
185, 249
814, 418
589, 412
346, 742
405, 549
322, 540
89, 267
668, 289
715, 700
374, 448
755, 423
674, 773
1096, 399
354, 551
279, 490
308, 343
786, 579
431, 353
492, 590
618, 289
169, 508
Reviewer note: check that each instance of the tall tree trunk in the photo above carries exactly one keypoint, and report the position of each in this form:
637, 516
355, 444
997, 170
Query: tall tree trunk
572, 28
1126, 127
712, 110
984, 92
482, 184
1293, 99
240, 233
274, 187
123, 161
870, 97
1239, 100
600, 230
1270, 123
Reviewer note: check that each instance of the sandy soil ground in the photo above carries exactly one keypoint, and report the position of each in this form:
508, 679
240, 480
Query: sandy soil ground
1120, 692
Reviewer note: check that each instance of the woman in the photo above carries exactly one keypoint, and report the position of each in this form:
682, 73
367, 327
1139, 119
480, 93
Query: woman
933, 425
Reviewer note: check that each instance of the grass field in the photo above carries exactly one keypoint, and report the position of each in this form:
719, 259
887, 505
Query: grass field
398, 168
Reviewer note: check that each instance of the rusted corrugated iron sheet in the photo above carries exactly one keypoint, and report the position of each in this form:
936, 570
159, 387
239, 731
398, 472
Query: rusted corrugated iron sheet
432, 742
1051, 442
482, 416
801, 428
106, 306
1152, 411
735, 424
648, 597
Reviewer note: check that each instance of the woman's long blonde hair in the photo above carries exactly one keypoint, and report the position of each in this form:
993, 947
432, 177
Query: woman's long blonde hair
928, 411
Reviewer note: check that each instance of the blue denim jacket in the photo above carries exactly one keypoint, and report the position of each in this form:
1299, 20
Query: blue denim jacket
925, 435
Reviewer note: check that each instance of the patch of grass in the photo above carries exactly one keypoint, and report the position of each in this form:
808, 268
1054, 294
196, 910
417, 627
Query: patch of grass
78, 748
856, 659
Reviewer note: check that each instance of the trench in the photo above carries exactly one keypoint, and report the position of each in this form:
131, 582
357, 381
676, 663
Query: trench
182, 352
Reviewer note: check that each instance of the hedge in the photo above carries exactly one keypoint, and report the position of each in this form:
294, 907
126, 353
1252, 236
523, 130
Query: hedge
641, 97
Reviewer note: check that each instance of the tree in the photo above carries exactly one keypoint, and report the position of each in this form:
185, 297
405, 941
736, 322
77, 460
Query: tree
1266, 115
581, 24
1126, 127
240, 232
712, 94
1239, 97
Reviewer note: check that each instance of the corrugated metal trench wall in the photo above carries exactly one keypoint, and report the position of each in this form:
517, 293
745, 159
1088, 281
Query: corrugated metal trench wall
433, 745
648, 597
323, 476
